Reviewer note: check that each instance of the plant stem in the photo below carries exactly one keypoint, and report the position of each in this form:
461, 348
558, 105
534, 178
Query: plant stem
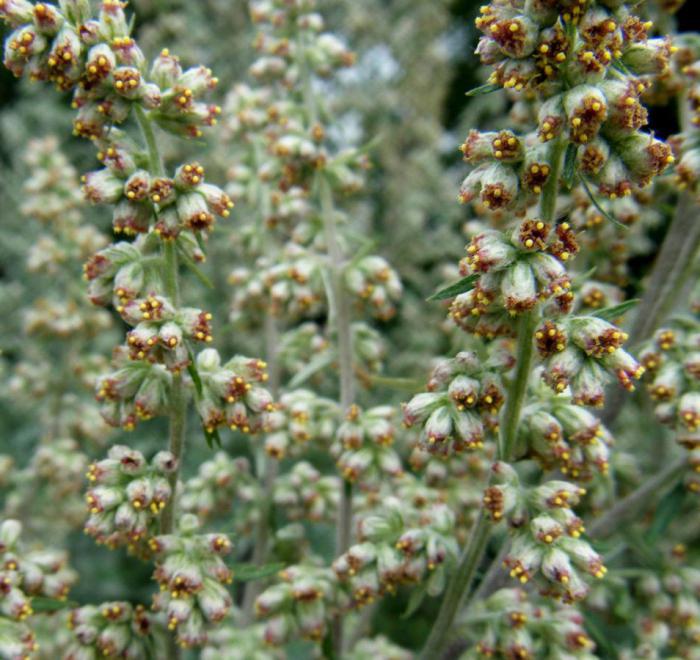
339, 304
471, 558
178, 401
628, 507
671, 269
268, 468
460, 585
155, 162
517, 390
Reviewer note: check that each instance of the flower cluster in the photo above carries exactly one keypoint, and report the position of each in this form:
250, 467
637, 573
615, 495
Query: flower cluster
515, 273
232, 392
398, 544
220, 483
25, 574
127, 495
464, 397
562, 434
98, 60
114, 629
363, 447
672, 360
300, 605
193, 579
305, 494
301, 416
578, 351
546, 544
143, 202
512, 625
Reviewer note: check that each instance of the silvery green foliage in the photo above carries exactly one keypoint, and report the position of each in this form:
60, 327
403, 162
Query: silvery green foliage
329, 135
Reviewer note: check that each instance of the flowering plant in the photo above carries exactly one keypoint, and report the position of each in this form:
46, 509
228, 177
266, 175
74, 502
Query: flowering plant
244, 357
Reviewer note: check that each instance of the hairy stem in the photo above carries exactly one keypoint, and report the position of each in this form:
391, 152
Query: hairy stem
473, 553
629, 507
518, 387
458, 588
178, 401
340, 306
671, 270
268, 468
460, 585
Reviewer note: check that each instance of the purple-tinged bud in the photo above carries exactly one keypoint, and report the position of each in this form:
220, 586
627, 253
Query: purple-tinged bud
586, 109
16, 12
556, 567
214, 601
217, 200
645, 157
278, 629
102, 187
689, 411
166, 70
557, 495
624, 366
419, 408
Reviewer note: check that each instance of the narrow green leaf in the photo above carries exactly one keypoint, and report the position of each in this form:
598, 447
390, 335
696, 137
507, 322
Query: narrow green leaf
248, 572
403, 384
212, 438
464, 285
315, 365
414, 602
614, 312
595, 628
488, 88
622, 68
190, 263
596, 203
569, 171
43, 604
668, 508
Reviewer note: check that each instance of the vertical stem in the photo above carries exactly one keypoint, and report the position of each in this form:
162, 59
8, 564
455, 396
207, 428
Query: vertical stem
339, 303
517, 390
461, 582
460, 585
178, 401
268, 468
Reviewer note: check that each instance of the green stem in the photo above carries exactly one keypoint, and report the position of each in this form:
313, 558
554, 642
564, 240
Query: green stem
630, 506
460, 585
178, 400
340, 305
471, 558
518, 387
268, 467
155, 162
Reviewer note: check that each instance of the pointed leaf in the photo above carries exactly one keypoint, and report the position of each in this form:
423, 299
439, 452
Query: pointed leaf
596, 203
212, 438
668, 508
414, 602
248, 572
43, 604
569, 170
615, 311
190, 263
488, 88
316, 364
464, 285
